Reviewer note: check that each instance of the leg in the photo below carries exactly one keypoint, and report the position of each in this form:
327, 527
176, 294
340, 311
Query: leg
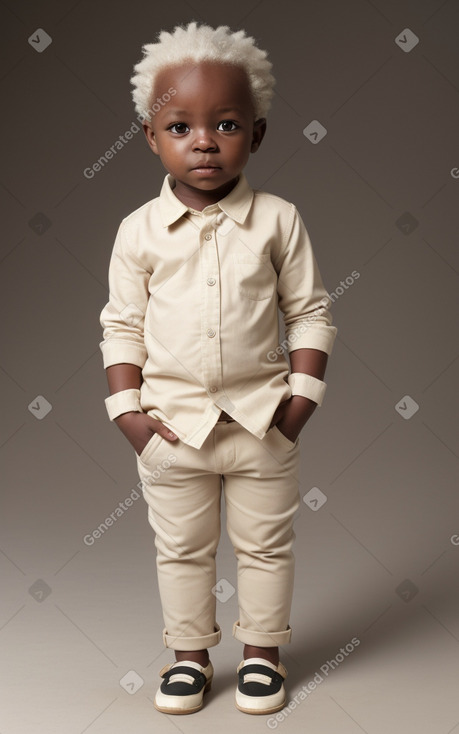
268, 653
183, 496
199, 656
261, 494
262, 497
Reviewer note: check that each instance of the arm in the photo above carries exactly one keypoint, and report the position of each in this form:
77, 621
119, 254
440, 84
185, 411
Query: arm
308, 322
303, 299
296, 411
123, 346
137, 427
123, 377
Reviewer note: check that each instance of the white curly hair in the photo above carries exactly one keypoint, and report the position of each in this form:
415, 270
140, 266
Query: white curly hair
203, 43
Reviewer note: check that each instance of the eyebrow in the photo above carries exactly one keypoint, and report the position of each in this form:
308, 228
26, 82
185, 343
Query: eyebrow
219, 110
173, 111
229, 109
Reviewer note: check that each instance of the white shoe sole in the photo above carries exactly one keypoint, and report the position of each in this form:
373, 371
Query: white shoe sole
162, 702
268, 704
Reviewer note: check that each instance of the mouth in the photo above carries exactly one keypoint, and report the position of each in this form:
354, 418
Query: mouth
205, 167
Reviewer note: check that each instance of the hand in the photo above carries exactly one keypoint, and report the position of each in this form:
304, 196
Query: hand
279, 413
140, 427
291, 415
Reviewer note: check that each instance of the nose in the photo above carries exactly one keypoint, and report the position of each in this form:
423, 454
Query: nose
204, 140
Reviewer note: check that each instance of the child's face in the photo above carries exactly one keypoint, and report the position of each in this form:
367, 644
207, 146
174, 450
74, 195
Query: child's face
206, 132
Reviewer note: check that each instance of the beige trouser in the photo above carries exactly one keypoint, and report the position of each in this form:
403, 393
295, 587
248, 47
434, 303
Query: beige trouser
182, 486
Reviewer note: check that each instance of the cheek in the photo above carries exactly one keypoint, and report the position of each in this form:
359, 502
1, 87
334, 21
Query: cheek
242, 150
238, 147
172, 149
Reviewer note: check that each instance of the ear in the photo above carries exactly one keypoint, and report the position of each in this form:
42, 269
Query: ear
150, 136
259, 129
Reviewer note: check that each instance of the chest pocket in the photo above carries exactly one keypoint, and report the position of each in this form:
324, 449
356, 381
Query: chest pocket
255, 276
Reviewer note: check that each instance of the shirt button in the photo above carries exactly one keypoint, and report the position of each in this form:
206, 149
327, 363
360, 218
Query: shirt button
211, 281
210, 333
207, 237
214, 389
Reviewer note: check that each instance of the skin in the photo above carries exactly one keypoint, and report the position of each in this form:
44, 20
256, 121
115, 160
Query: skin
209, 120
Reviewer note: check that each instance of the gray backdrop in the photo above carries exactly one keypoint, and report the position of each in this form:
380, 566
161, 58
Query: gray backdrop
362, 136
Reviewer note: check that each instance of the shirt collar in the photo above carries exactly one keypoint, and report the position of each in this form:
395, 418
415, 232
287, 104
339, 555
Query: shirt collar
236, 204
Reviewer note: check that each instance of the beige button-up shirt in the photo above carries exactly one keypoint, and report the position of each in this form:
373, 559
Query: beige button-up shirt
194, 302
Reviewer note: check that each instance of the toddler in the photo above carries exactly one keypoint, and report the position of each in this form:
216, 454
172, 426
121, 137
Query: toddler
198, 382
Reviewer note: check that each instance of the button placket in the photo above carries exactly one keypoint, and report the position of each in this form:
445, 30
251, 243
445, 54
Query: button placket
210, 313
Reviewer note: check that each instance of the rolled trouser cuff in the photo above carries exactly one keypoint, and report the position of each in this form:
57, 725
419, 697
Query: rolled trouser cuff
192, 643
261, 639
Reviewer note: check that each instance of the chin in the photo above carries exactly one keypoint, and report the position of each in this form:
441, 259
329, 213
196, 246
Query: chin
208, 184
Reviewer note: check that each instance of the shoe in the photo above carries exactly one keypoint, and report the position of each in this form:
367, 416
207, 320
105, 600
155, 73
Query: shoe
183, 687
260, 687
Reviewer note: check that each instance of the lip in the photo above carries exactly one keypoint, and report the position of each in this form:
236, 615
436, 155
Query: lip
206, 170
205, 166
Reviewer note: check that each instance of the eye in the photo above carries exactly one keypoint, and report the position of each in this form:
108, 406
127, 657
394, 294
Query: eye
180, 128
227, 126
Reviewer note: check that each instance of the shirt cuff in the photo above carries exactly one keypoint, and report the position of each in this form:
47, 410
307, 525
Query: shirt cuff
304, 336
119, 351
307, 386
123, 401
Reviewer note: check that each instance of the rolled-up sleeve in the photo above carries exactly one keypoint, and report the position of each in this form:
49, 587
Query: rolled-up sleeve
303, 299
123, 317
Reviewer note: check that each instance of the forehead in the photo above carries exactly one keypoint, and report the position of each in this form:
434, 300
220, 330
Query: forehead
208, 84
